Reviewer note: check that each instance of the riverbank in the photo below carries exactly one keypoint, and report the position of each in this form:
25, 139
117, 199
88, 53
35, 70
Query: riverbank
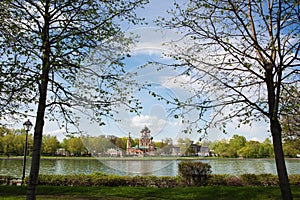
109, 158
126, 193
135, 158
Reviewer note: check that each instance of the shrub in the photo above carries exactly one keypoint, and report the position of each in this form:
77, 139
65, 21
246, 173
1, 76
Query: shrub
249, 179
259, 179
194, 173
294, 179
191, 179
5, 180
268, 179
166, 182
234, 181
217, 179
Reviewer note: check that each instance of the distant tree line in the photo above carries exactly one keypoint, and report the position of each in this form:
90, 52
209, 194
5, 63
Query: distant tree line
238, 146
12, 143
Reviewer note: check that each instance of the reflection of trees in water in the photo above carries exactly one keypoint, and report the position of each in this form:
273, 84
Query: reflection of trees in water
151, 167
138, 167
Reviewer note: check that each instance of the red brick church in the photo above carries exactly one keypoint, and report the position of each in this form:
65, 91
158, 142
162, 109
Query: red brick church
145, 146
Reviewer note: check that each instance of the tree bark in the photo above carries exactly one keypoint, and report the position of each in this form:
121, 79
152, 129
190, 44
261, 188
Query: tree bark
36, 154
276, 130
39, 124
280, 162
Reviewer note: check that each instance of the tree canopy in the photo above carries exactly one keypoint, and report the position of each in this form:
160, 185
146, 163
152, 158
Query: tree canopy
239, 56
60, 57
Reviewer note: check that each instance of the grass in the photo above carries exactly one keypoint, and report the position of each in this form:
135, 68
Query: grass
125, 193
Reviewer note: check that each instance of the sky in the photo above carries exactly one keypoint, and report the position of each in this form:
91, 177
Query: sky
155, 114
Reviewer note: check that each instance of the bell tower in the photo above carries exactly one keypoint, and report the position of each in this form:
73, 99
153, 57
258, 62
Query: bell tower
128, 144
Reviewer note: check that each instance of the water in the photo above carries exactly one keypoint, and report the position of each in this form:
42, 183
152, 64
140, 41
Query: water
13, 167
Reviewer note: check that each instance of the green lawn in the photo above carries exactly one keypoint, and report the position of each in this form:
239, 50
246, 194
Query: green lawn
122, 193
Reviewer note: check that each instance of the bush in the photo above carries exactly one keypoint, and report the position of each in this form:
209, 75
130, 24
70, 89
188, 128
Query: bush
294, 179
101, 179
217, 179
259, 179
268, 179
5, 180
167, 182
234, 181
194, 173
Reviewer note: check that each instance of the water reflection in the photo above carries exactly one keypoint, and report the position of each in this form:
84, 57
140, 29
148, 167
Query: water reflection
237, 167
140, 167
13, 167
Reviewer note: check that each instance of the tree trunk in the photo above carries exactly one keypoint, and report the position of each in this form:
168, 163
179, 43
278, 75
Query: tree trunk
38, 136
280, 162
39, 124
36, 154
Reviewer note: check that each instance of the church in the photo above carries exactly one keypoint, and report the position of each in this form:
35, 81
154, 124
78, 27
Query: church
145, 146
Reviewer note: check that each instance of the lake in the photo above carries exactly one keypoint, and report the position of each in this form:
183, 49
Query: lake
155, 167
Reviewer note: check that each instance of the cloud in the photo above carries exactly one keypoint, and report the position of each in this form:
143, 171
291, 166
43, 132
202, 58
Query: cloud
152, 40
59, 133
154, 123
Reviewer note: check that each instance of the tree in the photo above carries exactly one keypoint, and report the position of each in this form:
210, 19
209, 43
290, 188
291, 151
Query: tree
75, 146
185, 146
3, 132
11, 90
121, 143
240, 57
99, 144
291, 147
220, 148
50, 145
236, 143
250, 150
45, 46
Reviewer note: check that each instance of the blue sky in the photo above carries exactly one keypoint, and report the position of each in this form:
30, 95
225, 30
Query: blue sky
155, 114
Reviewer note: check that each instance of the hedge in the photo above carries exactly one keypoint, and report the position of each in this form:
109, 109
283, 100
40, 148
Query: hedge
100, 179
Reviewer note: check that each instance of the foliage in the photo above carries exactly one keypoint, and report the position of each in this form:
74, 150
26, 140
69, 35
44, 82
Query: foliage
12, 142
67, 56
294, 179
50, 145
259, 180
101, 179
4, 179
74, 145
194, 173
291, 147
185, 146
238, 146
240, 56
291, 117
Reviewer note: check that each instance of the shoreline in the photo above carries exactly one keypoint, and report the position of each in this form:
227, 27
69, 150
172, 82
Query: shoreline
137, 158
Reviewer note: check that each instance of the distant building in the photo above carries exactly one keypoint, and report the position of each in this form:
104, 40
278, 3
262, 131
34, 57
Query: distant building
175, 151
61, 152
145, 146
204, 151
114, 152
200, 150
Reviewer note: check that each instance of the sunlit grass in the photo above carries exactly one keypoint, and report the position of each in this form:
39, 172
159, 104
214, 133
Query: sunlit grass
213, 192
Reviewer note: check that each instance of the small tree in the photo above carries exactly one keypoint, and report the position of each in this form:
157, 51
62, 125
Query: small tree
194, 173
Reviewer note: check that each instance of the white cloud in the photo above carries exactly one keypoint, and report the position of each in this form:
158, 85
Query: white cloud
152, 41
59, 133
